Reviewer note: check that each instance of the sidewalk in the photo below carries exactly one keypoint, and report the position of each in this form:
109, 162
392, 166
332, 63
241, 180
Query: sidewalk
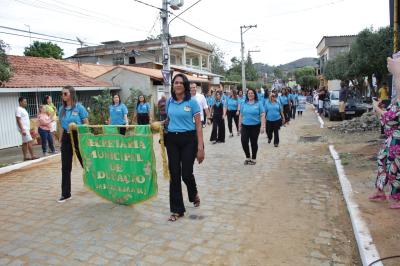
13, 155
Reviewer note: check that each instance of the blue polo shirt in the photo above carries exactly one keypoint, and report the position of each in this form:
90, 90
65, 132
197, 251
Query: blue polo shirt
72, 115
232, 104
251, 113
284, 100
117, 113
210, 100
181, 115
295, 98
273, 110
143, 108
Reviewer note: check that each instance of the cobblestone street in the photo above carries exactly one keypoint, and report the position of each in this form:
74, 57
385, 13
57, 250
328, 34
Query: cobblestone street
285, 210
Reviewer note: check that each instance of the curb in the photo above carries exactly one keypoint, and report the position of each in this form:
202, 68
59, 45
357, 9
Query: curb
366, 247
13, 167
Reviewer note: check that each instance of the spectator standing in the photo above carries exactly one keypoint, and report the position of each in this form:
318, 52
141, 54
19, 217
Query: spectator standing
45, 124
24, 127
343, 94
52, 111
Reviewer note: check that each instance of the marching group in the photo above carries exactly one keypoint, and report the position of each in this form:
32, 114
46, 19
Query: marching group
184, 115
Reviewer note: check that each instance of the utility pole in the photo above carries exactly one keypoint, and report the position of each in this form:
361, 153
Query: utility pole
30, 35
166, 72
395, 26
243, 29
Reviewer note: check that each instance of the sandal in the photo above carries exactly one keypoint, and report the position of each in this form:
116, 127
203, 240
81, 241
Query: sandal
196, 201
377, 197
175, 216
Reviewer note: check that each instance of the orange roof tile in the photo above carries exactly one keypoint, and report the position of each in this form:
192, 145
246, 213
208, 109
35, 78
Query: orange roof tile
90, 70
37, 72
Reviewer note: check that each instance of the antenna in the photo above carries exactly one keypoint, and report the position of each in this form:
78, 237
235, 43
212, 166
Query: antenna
80, 41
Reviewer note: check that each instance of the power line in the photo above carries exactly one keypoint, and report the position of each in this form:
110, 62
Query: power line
184, 11
42, 34
20, 35
146, 4
211, 34
66, 11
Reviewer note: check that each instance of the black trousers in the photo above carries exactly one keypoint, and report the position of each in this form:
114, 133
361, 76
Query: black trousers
250, 133
218, 130
182, 151
143, 119
272, 128
286, 112
66, 161
233, 116
294, 107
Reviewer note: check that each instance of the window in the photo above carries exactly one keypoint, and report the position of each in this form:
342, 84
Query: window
34, 102
188, 61
195, 61
132, 60
173, 59
204, 62
118, 61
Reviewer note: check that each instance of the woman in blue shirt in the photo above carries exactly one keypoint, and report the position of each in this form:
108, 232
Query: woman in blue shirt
275, 118
294, 97
70, 112
232, 103
251, 119
118, 114
285, 102
143, 111
184, 143
218, 113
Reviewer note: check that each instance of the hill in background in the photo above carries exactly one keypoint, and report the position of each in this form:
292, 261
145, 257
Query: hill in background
302, 62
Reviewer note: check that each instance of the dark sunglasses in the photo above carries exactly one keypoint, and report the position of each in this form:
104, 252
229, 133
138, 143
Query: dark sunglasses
65, 93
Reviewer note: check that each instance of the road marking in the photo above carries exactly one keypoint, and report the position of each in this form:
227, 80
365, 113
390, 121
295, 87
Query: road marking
367, 249
7, 169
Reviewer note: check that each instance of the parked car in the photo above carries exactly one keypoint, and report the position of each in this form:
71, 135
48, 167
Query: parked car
354, 106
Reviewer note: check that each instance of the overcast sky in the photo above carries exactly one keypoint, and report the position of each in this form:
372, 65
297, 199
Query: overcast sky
286, 29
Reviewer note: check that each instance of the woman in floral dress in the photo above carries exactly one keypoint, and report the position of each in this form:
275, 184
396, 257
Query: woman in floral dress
389, 155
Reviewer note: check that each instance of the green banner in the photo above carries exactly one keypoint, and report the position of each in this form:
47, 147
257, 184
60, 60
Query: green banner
120, 168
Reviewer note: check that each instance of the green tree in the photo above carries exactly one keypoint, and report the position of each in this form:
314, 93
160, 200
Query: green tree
44, 49
251, 72
234, 73
305, 76
369, 52
98, 108
217, 61
278, 73
5, 69
339, 68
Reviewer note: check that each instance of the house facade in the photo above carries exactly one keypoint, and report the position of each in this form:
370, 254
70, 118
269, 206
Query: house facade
329, 48
33, 78
184, 52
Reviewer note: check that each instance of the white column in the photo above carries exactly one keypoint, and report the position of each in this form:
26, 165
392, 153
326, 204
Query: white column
184, 57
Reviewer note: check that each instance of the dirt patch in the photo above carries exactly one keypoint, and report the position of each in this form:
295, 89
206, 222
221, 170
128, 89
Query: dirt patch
359, 161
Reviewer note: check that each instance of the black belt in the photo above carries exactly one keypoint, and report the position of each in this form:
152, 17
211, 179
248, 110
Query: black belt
192, 132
